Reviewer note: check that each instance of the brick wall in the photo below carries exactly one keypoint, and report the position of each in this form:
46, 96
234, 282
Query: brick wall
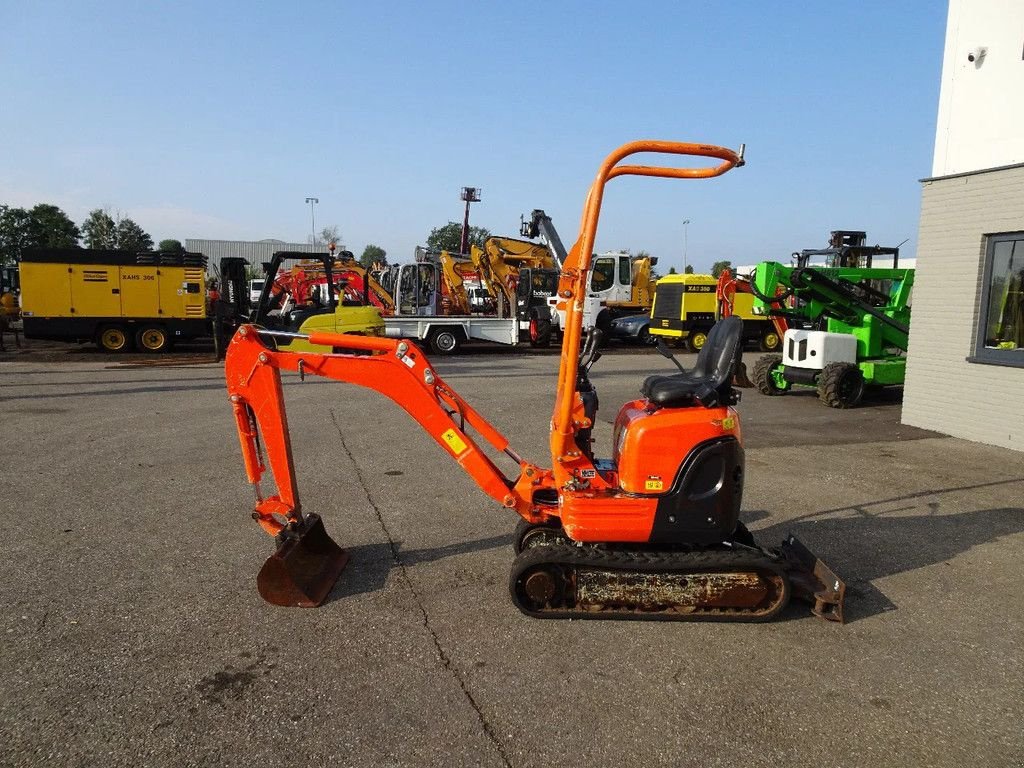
943, 391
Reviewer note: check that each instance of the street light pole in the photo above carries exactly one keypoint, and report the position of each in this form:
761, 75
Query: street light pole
470, 195
686, 224
312, 215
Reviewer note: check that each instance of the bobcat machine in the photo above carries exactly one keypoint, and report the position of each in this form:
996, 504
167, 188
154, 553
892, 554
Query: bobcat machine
651, 533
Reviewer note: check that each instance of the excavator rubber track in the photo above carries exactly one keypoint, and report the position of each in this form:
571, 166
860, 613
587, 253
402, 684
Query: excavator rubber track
559, 581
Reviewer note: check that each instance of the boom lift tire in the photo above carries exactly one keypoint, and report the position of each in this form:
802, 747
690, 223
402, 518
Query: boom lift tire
762, 375
445, 341
841, 385
152, 338
113, 338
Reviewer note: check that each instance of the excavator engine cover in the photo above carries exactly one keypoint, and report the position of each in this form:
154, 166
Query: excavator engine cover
304, 568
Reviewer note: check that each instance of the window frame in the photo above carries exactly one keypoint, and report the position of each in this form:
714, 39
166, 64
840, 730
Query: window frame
1010, 358
611, 277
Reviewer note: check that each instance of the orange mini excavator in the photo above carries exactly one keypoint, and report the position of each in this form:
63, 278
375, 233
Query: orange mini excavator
652, 533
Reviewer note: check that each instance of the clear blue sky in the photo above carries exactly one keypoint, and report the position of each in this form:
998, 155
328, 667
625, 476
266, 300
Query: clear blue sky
217, 119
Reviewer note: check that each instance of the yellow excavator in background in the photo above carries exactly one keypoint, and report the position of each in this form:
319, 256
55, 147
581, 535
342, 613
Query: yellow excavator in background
500, 262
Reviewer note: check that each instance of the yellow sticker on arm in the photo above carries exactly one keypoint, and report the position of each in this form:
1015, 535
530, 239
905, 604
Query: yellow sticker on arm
454, 442
653, 485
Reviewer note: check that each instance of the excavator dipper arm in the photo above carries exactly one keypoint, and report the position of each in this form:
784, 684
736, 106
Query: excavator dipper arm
398, 370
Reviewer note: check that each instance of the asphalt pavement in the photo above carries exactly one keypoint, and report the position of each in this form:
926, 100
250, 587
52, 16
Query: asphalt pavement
133, 634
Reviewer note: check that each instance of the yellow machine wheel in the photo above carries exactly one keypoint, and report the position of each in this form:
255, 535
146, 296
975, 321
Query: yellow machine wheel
770, 341
696, 340
152, 338
113, 338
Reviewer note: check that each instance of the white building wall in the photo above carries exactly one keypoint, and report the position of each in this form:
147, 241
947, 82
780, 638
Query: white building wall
980, 127
981, 104
943, 390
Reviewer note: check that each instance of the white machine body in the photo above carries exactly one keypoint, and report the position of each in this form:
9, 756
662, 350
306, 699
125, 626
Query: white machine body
816, 349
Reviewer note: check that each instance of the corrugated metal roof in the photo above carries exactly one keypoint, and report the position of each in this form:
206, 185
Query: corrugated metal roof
254, 251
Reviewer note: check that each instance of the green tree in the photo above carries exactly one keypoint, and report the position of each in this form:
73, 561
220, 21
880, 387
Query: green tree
449, 237
689, 269
131, 237
373, 254
719, 266
44, 226
15, 233
52, 228
672, 271
170, 245
99, 230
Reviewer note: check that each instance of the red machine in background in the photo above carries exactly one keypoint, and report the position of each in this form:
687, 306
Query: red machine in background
729, 285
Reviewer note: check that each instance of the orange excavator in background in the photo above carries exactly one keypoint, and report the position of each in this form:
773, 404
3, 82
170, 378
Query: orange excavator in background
653, 532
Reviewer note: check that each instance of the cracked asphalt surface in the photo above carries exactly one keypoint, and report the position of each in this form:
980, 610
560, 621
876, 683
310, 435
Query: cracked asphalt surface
133, 633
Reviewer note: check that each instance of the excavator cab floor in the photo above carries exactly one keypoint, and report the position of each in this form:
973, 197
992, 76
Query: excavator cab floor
304, 568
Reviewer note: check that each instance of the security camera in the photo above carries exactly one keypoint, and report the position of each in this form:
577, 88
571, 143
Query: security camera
976, 54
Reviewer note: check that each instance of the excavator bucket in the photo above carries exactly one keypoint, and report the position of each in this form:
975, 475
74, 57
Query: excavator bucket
740, 379
813, 581
304, 568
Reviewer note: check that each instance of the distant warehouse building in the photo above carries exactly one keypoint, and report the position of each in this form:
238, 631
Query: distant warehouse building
965, 367
255, 252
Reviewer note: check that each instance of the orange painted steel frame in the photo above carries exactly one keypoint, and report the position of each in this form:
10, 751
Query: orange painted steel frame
594, 504
565, 455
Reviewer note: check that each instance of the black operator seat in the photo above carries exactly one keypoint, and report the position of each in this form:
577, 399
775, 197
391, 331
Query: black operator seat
709, 382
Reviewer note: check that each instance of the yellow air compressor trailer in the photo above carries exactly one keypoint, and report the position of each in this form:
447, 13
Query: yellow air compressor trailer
116, 299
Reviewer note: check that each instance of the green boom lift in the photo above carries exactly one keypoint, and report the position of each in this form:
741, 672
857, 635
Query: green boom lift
848, 328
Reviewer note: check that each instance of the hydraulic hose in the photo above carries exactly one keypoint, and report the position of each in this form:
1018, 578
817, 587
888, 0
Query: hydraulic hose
771, 299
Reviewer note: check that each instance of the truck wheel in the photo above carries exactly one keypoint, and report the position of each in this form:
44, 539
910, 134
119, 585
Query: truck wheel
113, 338
697, 339
444, 341
770, 340
540, 333
763, 379
153, 338
841, 385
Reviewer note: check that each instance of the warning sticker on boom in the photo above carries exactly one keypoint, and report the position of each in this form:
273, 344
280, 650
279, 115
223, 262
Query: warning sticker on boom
654, 484
454, 442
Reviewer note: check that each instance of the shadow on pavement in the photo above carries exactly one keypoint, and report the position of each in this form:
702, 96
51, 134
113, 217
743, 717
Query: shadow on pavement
370, 564
875, 544
879, 540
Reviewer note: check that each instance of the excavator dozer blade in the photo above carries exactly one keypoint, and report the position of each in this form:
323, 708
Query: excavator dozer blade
304, 568
740, 379
813, 581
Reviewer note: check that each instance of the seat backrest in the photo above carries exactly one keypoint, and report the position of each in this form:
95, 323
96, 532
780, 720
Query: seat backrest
721, 352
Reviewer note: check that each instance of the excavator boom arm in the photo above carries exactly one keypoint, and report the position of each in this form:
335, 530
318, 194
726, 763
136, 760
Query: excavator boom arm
397, 369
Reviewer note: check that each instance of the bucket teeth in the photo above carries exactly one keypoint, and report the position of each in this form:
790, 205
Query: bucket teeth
304, 568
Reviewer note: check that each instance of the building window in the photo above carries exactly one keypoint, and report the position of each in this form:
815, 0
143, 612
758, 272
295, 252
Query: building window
1001, 321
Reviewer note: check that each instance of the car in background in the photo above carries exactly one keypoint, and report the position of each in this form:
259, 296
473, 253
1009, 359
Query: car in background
632, 328
255, 289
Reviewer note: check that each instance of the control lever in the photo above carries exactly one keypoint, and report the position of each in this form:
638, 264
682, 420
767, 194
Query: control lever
664, 351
